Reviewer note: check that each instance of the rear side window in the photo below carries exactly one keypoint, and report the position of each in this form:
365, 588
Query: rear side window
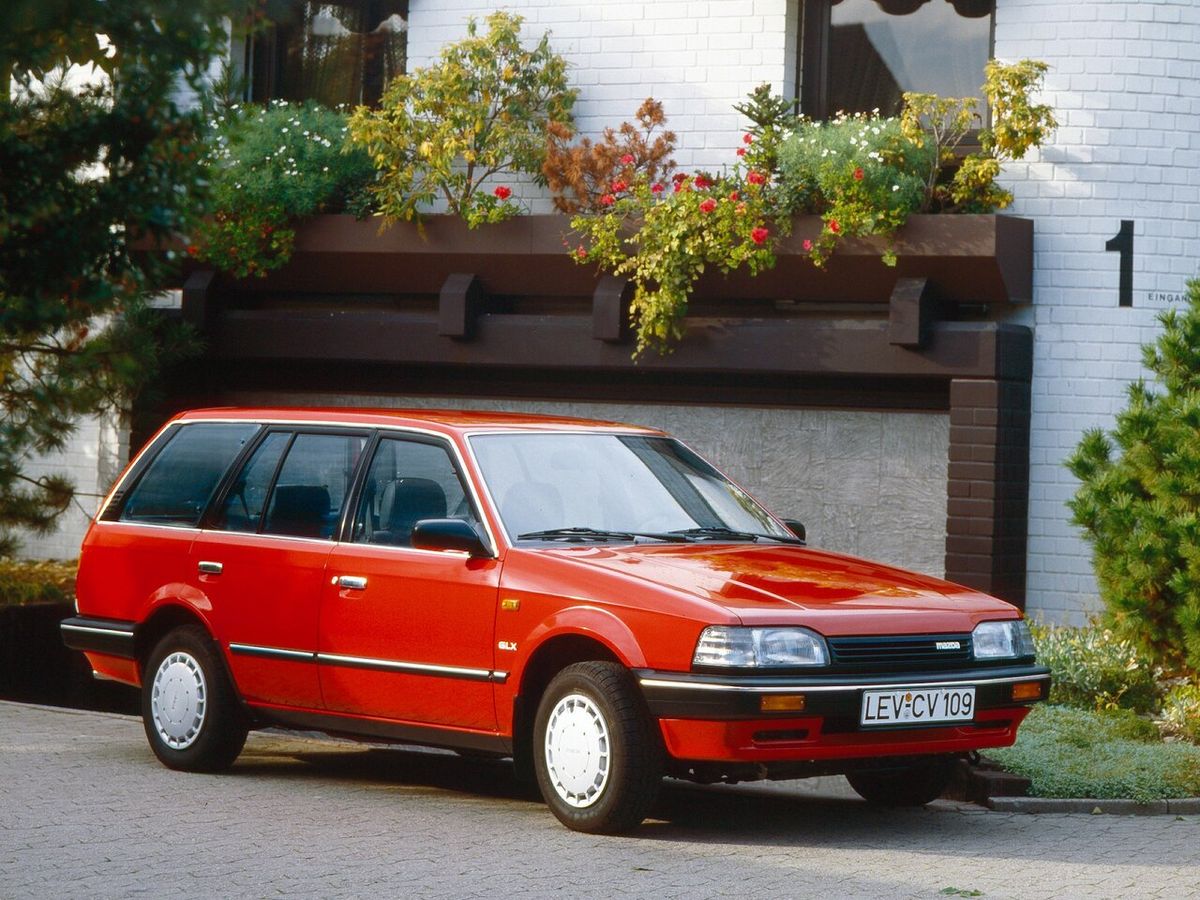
243, 506
312, 485
178, 483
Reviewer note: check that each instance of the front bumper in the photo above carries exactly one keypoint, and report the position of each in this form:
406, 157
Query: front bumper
720, 718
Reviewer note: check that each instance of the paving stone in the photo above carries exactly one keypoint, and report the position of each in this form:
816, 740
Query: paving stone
85, 810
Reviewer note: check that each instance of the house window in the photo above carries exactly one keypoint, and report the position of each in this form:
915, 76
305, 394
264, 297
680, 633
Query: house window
337, 53
861, 55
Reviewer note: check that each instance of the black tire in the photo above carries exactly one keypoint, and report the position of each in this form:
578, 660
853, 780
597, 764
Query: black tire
191, 713
618, 777
910, 785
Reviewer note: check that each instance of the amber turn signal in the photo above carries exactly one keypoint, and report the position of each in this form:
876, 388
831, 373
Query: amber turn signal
1027, 690
782, 703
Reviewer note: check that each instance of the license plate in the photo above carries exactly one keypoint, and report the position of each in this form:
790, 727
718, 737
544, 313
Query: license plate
917, 705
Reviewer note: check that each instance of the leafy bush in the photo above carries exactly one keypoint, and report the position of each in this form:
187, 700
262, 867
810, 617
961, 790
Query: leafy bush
36, 581
861, 173
663, 235
1180, 716
1141, 509
1092, 668
271, 166
1113, 755
481, 110
580, 175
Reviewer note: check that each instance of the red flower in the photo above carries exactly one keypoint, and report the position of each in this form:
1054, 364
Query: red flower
747, 138
759, 234
858, 174
607, 200
192, 250
734, 195
741, 151
678, 177
807, 244
681, 186
502, 192
756, 178
627, 159
656, 188
581, 252
702, 182
834, 226
618, 186
708, 205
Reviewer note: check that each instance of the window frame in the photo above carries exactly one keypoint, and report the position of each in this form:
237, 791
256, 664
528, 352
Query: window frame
813, 66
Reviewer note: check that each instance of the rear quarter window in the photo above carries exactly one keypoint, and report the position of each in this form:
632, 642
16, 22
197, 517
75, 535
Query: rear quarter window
176, 486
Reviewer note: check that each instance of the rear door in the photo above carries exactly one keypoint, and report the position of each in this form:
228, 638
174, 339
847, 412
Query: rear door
407, 634
261, 561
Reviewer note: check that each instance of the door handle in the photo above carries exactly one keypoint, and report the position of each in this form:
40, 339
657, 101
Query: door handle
207, 567
353, 582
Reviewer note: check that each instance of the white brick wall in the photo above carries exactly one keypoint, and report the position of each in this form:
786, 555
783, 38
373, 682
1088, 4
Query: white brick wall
1125, 84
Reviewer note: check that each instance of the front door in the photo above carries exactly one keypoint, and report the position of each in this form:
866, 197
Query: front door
407, 634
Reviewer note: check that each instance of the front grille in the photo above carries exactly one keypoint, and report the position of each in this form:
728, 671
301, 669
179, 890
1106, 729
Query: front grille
899, 653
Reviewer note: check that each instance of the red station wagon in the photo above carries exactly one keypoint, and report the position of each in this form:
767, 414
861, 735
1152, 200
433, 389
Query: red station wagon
593, 599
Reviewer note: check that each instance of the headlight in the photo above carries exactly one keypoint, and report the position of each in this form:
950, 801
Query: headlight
1002, 640
730, 645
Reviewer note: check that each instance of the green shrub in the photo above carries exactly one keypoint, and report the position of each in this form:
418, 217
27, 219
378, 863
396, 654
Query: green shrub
1092, 668
1138, 500
269, 167
1112, 755
1180, 715
36, 581
859, 172
481, 110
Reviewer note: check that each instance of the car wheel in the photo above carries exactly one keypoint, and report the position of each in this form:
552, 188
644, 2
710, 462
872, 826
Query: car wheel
597, 752
192, 716
912, 785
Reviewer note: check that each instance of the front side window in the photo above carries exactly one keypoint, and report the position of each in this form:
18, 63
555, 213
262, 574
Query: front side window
409, 480
312, 485
177, 485
612, 483
243, 506
337, 53
863, 55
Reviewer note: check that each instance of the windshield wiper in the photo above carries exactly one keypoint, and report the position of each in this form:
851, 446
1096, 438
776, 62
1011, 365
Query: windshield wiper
582, 533
720, 531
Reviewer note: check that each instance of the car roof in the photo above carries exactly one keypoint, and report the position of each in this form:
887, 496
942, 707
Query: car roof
447, 420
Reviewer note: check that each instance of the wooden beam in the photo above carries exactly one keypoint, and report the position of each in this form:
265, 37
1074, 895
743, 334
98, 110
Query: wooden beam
460, 303
610, 309
910, 312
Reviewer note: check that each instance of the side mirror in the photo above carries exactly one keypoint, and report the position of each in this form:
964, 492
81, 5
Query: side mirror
796, 528
448, 534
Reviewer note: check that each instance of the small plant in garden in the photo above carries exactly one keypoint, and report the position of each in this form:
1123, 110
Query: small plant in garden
36, 581
269, 167
1180, 716
580, 175
1092, 668
1138, 500
861, 173
482, 110
662, 235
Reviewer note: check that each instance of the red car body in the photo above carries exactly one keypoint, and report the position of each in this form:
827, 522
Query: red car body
454, 649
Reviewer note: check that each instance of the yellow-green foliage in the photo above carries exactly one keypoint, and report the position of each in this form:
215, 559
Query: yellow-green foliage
1180, 715
36, 581
1092, 668
482, 110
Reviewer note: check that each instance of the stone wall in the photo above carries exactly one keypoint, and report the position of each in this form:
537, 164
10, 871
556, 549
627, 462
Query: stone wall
871, 484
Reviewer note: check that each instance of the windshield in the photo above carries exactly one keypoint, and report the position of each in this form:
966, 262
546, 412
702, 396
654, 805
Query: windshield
624, 485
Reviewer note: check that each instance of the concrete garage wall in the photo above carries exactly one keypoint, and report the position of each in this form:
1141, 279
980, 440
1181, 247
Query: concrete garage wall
867, 483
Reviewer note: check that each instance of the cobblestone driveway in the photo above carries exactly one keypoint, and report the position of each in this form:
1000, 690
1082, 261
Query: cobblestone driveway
86, 811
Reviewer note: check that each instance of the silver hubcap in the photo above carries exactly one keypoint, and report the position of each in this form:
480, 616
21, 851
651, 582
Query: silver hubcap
178, 700
578, 752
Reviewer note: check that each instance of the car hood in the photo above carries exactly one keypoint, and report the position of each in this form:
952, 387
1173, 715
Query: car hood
763, 584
